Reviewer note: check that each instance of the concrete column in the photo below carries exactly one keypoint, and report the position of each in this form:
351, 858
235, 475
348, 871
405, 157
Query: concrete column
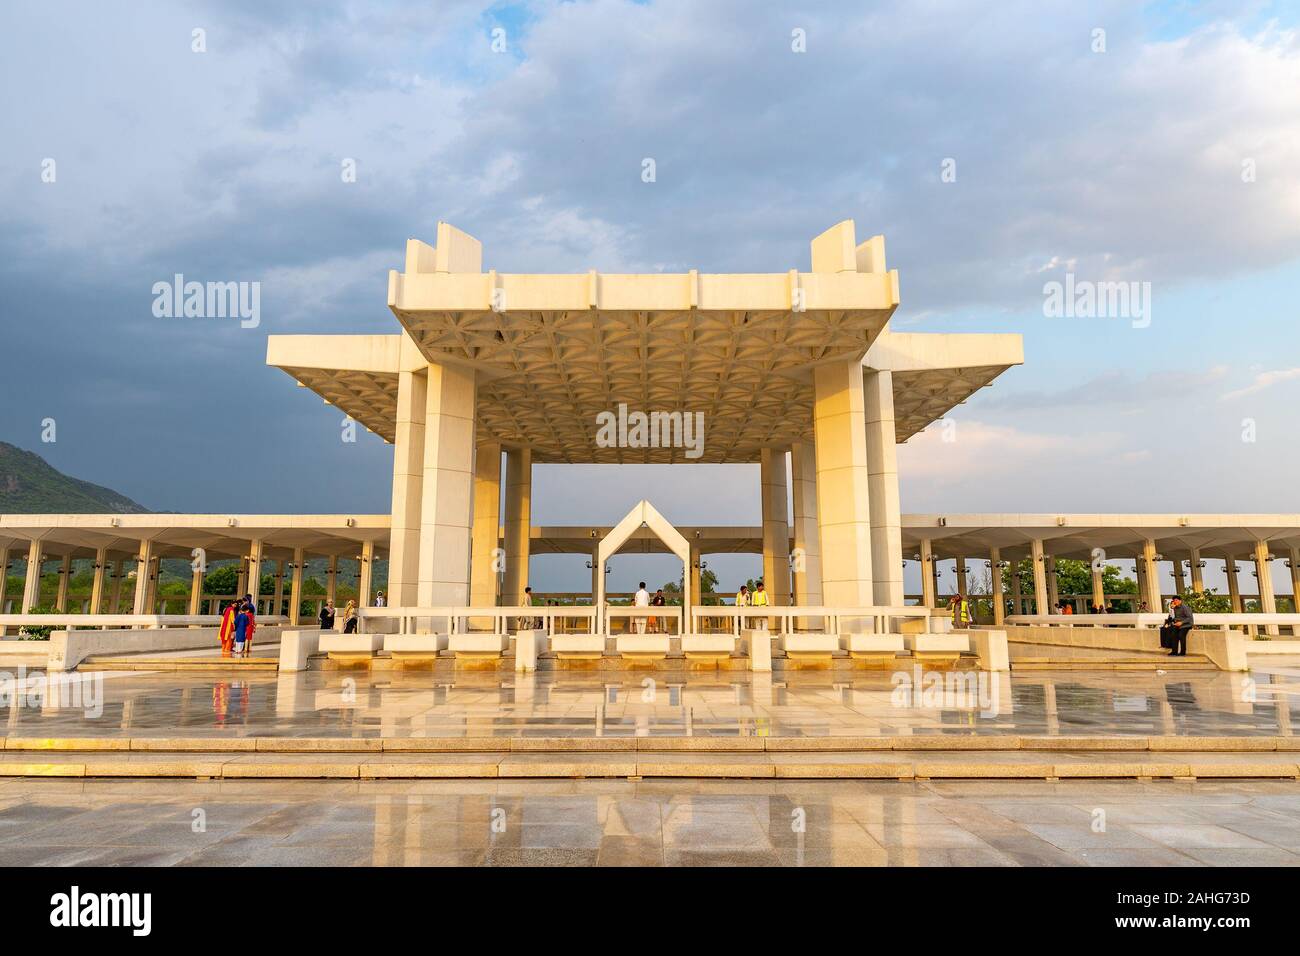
155, 575
1039, 563
1264, 573
882, 471
776, 526
278, 607
408, 488
1151, 576
96, 581
447, 503
1179, 580
366, 574
843, 485
596, 571
1234, 587
4, 583
241, 579
807, 582
119, 576
1098, 588
1053, 593
196, 588
962, 583
995, 577
253, 573
1295, 584
65, 577
332, 578
518, 523
484, 552
1017, 602
928, 595
295, 586
1198, 578
32, 582
143, 566
695, 573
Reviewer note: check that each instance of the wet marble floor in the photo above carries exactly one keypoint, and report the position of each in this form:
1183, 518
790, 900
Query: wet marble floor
649, 823
447, 703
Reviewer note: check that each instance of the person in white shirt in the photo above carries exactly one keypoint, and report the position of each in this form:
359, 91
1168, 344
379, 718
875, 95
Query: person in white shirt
379, 599
642, 600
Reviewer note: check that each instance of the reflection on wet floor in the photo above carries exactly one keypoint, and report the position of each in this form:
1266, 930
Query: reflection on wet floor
649, 823
447, 703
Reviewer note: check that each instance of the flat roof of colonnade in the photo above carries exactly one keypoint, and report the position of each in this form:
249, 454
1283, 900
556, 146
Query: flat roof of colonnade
951, 535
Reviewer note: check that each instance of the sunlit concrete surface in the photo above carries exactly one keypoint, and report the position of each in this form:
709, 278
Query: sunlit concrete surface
447, 703
674, 823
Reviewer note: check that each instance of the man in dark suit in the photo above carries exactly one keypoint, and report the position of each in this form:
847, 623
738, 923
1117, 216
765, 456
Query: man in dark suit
1174, 632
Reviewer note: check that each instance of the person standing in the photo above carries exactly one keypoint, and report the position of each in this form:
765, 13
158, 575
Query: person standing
241, 629
379, 599
248, 631
350, 618
226, 633
760, 599
961, 618
327, 616
642, 599
1173, 634
657, 601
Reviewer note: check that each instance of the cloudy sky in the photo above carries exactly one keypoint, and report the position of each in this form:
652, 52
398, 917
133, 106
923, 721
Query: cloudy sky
1154, 143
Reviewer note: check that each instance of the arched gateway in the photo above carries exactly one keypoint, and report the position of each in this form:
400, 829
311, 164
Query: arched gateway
644, 515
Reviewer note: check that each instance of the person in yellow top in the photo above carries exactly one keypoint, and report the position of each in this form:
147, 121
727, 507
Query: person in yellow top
961, 617
742, 597
761, 600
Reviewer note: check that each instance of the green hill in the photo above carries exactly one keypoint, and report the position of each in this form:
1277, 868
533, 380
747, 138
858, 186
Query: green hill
29, 485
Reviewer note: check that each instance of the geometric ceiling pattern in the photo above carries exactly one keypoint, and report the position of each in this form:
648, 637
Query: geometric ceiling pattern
922, 397
563, 352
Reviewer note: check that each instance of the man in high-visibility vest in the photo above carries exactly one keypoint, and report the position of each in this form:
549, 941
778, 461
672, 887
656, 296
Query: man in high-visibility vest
961, 617
760, 600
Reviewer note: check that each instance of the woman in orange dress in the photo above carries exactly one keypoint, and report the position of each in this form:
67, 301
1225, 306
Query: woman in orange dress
227, 630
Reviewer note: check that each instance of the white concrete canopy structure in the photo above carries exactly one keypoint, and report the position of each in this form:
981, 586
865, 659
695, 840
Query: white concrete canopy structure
644, 516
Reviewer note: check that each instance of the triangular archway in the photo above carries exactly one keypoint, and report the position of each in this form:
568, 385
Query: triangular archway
645, 514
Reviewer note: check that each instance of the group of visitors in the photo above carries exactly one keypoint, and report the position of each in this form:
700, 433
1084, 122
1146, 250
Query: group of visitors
238, 622
643, 598
327, 614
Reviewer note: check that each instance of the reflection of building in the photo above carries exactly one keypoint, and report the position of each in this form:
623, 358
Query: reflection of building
490, 372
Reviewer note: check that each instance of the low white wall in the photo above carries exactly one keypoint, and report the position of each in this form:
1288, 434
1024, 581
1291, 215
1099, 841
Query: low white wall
1225, 648
30, 653
297, 646
70, 648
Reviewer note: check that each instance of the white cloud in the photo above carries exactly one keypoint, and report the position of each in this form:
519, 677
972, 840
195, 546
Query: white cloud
1262, 381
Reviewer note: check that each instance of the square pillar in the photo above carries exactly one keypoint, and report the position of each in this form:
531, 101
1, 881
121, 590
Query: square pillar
596, 571
962, 583
1179, 580
332, 578
65, 578
882, 472
277, 607
1151, 577
995, 578
1053, 593
155, 574
1039, 565
1198, 578
1017, 602
143, 566
366, 574
1098, 589
447, 499
485, 551
196, 589
408, 488
4, 583
776, 526
96, 581
697, 594
32, 582
807, 580
295, 586
119, 577
1234, 587
843, 485
1264, 574
253, 574
1295, 584
518, 524
929, 593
